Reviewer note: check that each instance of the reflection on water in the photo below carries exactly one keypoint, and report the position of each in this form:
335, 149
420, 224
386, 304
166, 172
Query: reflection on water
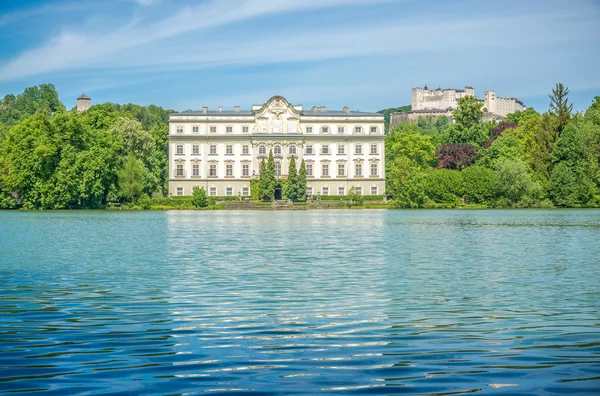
385, 302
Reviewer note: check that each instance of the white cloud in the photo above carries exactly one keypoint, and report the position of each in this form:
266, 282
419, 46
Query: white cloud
71, 50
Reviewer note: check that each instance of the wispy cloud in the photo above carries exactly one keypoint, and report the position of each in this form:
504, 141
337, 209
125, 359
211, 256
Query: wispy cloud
46, 9
73, 49
343, 51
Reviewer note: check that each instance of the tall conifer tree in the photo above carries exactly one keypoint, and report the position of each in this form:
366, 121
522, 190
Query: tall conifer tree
302, 182
560, 107
270, 180
262, 179
292, 181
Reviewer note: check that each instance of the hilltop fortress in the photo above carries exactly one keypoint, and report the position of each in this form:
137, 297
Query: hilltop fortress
442, 102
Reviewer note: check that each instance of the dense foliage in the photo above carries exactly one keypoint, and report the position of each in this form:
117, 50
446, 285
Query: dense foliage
527, 160
54, 158
51, 158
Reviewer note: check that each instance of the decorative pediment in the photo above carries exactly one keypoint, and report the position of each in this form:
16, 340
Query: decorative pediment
180, 160
278, 105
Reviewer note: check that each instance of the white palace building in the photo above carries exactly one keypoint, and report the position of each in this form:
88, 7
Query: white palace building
222, 150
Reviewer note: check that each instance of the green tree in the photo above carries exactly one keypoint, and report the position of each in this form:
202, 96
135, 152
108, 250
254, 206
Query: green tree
571, 187
408, 156
262, 180
516, 184
268, 182
544, 141
130, 179
292, 188
144, 201
469, 112
302, 182
405, 183
468, 127
480, 185
575, 159
560, 107
443, 187
505, 147
356, 199
199, 198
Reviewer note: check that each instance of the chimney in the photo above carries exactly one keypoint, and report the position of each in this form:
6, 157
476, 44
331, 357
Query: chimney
236, 109
346, 109
220, 109
205, 109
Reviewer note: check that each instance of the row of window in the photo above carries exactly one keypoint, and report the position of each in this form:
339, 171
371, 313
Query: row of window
341, 191
245, 191
212, 170
277, 150
212, 129
341, 170
262, 128
342, 129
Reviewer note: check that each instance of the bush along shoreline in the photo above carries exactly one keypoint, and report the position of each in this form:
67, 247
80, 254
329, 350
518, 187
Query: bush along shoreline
116, 157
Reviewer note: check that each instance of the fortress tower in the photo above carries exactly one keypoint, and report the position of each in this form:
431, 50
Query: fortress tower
83, 103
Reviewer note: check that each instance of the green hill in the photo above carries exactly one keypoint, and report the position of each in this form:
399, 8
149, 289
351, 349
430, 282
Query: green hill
386, 112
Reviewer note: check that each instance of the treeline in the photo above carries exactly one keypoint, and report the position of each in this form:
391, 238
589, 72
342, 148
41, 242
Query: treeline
51, 158
54, 158
527, 160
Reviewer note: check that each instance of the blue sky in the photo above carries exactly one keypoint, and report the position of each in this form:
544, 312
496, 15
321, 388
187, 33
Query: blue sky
366, 54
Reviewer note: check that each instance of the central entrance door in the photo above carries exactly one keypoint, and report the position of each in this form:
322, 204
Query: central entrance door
278, 194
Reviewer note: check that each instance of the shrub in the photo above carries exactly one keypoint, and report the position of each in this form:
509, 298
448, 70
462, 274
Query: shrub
199, 199
144, 202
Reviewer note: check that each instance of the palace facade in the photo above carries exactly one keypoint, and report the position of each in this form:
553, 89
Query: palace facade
222, 150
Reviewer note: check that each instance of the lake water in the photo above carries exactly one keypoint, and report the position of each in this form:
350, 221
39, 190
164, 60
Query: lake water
300, 302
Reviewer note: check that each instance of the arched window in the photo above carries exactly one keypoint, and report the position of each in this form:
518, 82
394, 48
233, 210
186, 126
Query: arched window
277, 150
262, 149
277, 168
292, 149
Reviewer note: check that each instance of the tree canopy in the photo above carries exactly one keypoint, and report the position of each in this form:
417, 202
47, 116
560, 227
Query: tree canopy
527, 160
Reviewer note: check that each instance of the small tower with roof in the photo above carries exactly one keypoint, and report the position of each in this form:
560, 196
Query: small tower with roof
83, 103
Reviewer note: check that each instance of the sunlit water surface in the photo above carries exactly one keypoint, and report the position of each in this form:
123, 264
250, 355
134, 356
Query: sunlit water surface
289, 302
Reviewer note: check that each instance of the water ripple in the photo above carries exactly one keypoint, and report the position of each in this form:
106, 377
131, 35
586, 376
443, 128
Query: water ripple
272, 303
